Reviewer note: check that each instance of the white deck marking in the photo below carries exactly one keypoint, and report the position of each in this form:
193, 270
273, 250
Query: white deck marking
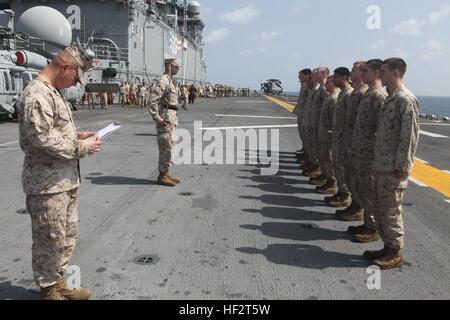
446, 171
245, 116
434, 135
5, 144
254, 127
106, 121
423, 161
420, 184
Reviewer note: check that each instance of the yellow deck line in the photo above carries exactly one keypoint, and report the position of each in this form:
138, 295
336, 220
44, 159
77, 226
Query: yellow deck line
432, 177
281, 103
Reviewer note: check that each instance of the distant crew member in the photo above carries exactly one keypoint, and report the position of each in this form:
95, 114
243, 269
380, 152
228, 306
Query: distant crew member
90, 98
123, 92
163, 108
142, 95
133, 92
127, 93
395, 146
104, 98
192, 92
51, 174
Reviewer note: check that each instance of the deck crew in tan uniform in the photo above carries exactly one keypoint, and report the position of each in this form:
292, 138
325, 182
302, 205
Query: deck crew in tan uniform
354, 212
395, 145
328, 183
363, 148
306, 122
164, 101
142, 95
304, 76
339, 149
319, 99
51, 174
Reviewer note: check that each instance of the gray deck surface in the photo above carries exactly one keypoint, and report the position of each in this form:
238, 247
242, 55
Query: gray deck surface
239, 235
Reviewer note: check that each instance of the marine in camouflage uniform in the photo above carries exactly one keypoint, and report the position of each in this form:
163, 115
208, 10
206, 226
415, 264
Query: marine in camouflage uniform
51, 174
325, 141
362, 152
339, 149
306, 123
395, 146
142, 95
318, 101
163, 108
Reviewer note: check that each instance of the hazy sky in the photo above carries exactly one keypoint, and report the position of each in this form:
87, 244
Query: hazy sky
249, 41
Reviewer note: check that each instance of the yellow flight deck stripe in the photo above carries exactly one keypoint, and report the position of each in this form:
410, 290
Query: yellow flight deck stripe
432, 177
281, 103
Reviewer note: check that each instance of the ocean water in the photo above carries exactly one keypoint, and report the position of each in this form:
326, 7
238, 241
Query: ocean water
439, 106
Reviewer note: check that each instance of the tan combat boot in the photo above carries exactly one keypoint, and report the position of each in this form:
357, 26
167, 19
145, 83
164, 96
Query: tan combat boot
71, 294
302, 161
319, 181
353, 213
391, 259
342, 200
164, 180
328, 188
313, 173
172, 178
356, 229
372, 255
366, 236
50, 293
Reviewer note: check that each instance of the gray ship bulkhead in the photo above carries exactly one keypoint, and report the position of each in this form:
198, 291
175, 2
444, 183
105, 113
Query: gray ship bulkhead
143, 40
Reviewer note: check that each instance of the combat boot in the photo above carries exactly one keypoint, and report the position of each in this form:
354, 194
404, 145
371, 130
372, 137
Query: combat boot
313, 173
391, 259
164, 180
50, 293
372, 255
342, 200
353, 213
332, 198
328, 188
307, 166
71, 294
367, 236
356, 229
299, 152
303, 161
319, 181
172, 178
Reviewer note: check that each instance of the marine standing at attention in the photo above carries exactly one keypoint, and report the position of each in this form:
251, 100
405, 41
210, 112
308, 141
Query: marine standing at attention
163, 108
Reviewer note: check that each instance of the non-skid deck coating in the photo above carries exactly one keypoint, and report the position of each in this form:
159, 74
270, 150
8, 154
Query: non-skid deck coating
226, 232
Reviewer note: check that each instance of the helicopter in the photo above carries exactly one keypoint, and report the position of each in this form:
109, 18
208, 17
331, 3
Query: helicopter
272, 86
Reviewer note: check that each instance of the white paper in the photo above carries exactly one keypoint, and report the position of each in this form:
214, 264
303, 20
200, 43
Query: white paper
107, 131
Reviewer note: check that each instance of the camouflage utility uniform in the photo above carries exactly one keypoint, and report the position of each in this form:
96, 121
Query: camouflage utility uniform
396, 143
163, 104
362, 151
50, 177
